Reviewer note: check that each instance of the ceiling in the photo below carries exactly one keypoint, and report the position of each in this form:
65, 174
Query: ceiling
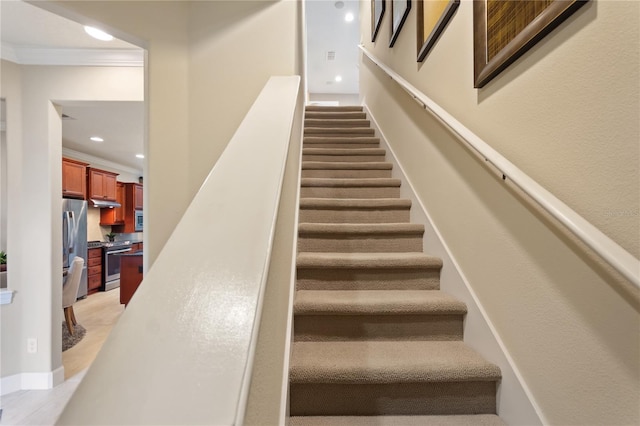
32, 36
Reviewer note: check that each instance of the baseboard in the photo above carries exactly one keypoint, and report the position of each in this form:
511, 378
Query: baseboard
31, 381
515, 402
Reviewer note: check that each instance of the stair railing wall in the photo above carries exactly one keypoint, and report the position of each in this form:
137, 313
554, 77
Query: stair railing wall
183, 351
616, 256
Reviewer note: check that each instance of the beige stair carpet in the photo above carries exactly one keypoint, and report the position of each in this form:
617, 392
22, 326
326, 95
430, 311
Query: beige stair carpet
375, 340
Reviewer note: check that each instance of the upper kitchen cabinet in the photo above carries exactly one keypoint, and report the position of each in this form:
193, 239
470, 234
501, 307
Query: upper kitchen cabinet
132, 207
114, 216
137, 196
74, 179
101, 184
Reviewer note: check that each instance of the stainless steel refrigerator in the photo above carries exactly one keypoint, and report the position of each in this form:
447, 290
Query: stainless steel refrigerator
74, 237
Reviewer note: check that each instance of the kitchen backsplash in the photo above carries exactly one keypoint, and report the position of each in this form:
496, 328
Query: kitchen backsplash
95, 232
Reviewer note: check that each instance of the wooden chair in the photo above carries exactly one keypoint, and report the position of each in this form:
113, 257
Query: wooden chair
70, 292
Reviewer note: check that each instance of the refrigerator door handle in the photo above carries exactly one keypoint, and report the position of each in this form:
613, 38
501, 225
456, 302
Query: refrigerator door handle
74, 232
65, 232
69, 226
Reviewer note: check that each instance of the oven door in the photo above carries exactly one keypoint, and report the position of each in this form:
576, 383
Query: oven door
112, 268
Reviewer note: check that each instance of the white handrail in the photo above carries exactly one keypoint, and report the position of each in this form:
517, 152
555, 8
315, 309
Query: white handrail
182, 352
620, 259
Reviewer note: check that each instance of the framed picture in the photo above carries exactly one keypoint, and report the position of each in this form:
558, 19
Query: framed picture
377, 12
433, 16
505, 29
399, 11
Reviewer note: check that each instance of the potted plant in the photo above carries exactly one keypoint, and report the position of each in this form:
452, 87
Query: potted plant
3, 261
111, 236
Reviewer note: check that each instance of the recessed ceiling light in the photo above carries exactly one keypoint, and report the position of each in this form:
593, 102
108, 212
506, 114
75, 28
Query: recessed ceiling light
139, 155
349, 17
96, 139
99, 34
338, 78
339, 4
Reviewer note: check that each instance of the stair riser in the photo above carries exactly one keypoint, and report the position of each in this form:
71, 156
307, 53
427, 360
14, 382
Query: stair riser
340, 145
342, 243
343, 158
336, 115
357, 192
346, 174
324, 122
353, 216
367, 279
446, 398
377, 327
344, 139
340, 108
339, 132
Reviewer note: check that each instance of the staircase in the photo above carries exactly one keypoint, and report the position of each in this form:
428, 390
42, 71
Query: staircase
373, 334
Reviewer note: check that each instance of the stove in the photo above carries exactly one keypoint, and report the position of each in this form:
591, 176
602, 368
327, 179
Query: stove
116, 244
111, 253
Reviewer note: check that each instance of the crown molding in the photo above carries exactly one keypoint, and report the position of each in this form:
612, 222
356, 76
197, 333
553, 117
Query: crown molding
81, 156
72, 57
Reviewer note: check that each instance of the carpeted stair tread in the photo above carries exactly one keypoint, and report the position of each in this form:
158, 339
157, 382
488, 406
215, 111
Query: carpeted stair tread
374, 261
346, 165
360, 228
375, 341
452, 420
343, 151
337, 108
376, 302
375, 362
350, 182
354, 203
336, 122
339, 131
364, 140
354, 210
336, 114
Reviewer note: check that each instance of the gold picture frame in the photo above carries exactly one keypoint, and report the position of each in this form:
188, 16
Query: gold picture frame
505, 29
433, 17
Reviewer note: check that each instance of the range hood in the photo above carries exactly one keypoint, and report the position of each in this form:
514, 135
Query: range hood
104, 204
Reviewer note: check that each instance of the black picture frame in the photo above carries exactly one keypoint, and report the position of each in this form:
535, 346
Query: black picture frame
377, 13
430, 27
399, 12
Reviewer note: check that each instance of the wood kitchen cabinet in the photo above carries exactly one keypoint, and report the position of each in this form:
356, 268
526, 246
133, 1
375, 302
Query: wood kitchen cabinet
137, 196
130, 276
94, 270
114, 216
101, 184
132, 202
74, 179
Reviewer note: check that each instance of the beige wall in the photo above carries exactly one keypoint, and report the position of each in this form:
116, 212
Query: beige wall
567, 115
10, 85
35, 187
207, 62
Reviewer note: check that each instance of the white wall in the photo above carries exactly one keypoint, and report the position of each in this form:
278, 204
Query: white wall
341, 98
35, 182
567, 114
